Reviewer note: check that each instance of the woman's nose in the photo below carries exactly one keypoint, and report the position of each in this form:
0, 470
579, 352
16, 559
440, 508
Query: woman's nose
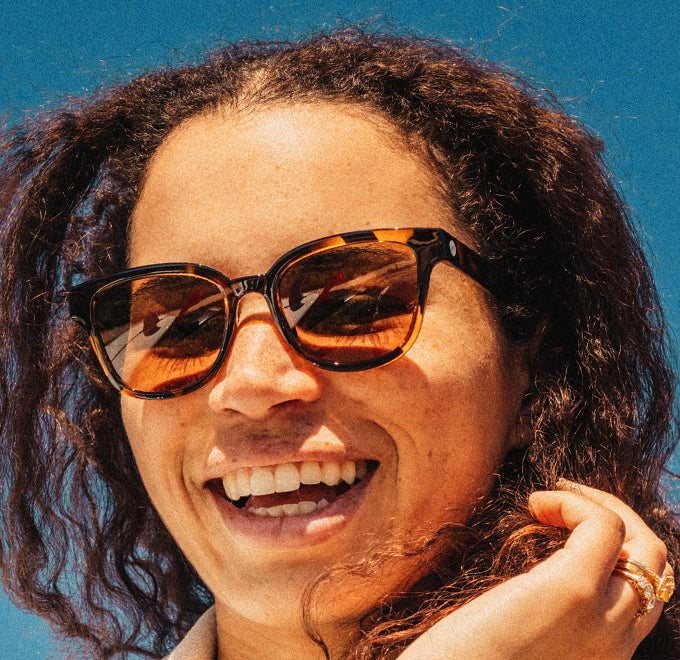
261, 372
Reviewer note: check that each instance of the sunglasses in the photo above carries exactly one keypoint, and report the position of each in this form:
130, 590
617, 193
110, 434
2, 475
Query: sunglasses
345, 303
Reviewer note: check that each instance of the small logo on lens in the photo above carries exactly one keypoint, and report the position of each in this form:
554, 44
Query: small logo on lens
452, 248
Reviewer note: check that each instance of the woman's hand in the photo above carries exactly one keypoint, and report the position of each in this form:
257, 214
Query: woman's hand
570, 606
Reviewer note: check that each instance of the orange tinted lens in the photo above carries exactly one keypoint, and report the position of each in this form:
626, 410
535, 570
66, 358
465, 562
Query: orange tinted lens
353, 303
161, 333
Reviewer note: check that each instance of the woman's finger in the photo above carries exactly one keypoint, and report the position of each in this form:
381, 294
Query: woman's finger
597, 534
605, 530
640, 543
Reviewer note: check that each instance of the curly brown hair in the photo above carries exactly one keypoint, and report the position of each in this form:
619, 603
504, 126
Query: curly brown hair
81, 544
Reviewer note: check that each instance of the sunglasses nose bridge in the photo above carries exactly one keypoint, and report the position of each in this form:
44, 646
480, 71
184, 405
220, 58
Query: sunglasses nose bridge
241, 287
251, 284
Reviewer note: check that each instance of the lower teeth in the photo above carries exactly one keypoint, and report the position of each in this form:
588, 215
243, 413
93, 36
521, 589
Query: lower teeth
282, 510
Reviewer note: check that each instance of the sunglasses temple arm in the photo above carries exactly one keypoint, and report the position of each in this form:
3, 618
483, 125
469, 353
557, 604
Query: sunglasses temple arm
472, 264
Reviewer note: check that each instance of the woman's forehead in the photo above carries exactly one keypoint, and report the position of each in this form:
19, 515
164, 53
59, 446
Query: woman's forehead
286, 174
317, 141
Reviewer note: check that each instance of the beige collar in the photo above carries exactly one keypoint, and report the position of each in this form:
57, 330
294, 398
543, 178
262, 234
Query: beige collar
200, 642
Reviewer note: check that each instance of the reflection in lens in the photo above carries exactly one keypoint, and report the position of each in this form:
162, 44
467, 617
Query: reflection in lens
161, 332
351, 303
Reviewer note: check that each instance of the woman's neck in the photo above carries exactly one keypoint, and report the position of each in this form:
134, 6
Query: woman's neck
242, 638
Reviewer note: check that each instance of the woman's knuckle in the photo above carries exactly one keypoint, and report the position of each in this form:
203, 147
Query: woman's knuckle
615, 525
659, 548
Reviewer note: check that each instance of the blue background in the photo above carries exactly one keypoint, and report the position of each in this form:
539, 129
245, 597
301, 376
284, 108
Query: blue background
613, 63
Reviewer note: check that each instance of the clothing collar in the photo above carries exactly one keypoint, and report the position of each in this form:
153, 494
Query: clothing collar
200, 642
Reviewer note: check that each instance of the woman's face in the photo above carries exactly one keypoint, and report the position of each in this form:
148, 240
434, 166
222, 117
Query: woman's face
236, 191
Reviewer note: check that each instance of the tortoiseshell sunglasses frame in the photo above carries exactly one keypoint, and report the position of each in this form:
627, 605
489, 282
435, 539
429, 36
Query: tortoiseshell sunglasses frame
430, 247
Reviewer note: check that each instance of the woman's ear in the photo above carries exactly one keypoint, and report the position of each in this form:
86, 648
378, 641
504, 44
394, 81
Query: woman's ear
526, 360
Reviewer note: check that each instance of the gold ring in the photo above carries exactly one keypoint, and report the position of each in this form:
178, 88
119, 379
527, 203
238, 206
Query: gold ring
649, 587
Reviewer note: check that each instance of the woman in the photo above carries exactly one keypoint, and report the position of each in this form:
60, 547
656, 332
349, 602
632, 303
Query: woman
294, 447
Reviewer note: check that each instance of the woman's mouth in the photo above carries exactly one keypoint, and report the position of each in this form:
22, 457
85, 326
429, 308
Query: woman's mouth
292, 489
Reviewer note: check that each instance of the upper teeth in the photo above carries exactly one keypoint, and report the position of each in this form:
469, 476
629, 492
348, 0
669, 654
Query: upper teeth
287, 477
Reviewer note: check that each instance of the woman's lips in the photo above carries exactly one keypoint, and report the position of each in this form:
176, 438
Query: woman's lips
292, 503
